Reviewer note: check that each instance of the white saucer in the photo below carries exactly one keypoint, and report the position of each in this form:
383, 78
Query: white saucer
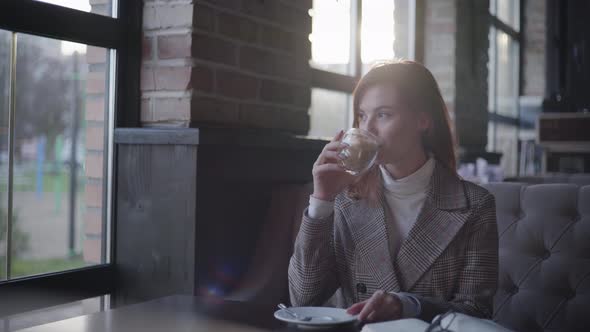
320, 316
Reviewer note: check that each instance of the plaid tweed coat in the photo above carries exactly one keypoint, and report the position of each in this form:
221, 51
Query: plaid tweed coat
449, 259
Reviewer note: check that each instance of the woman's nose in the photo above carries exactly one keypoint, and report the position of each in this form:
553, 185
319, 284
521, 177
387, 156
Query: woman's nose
369, 125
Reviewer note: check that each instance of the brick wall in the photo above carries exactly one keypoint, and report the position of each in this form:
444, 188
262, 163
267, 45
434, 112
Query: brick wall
439, 46
232, 62
534, 46
456, 52
471, 75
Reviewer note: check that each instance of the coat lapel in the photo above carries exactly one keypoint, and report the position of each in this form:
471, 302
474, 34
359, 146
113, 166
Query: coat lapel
367, 226
442, 216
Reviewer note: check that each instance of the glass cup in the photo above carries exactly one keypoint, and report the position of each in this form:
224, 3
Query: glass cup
359, 151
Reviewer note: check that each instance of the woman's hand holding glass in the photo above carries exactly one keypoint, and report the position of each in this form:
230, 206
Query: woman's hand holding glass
329, 177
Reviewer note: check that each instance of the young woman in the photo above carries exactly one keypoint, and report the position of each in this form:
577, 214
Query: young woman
408, 238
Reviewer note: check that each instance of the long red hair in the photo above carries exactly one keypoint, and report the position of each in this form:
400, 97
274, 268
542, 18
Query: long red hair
421, 92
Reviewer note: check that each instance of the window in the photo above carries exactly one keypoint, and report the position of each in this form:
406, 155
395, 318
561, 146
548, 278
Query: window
58, 109
347, 38
504, 83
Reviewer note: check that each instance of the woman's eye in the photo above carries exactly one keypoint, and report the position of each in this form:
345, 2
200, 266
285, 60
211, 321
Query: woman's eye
362, 116
383, 115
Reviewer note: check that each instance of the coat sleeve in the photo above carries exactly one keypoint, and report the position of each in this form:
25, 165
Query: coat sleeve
312, 268
478, 280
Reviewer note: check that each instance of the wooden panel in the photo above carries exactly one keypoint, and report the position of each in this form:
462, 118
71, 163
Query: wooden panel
191, 204
155, 220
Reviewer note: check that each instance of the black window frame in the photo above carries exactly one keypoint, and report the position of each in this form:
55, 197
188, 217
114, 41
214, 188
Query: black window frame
123, 34
493, 117
336, 82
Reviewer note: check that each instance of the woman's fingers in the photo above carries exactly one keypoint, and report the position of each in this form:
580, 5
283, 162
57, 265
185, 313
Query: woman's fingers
325, 168
373, 305
328, 157
381, 306
338, 136
356, 308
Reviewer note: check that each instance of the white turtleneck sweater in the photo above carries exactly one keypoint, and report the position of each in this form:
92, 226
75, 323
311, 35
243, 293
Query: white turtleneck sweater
405, 198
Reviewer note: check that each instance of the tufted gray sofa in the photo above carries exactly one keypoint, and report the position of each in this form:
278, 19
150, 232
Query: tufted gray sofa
544, 280
544, 277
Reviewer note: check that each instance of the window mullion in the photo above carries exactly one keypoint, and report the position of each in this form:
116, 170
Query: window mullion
355, 35
11, 117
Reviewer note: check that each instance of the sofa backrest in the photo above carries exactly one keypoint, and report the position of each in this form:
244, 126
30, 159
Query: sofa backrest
580, 179
544, 277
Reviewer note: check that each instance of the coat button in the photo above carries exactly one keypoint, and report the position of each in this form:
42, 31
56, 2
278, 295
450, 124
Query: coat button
361, 288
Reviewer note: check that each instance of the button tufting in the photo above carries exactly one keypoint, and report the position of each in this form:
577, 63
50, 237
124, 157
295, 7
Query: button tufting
546, 255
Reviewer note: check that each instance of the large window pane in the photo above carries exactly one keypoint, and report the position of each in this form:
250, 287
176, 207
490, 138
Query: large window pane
330, 111
507, 144
377, 32
5, 37
101, 7
59, 152
331, 36
506, 75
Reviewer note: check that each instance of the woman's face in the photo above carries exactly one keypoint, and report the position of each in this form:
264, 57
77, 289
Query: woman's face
399, 129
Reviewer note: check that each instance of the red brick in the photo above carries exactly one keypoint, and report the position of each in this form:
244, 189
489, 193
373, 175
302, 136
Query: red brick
266, 62
302, 21
92, 250
296, 121
302, 96
260, 116
93, 195
94, 165
231, 4
176, 78
236, 85
174, 46
301, 4
94, 138
172, 109
284, 66
302, 69
204, 18
277, 38
264, 9
95, 109
255, 59
302, 47
211, 110
96, 55
95, 82
167, 16
147, 79
93, 221
172, 78
146, 112
286, 16
147, 46
214, 49
238, 28
202, 78
277, 92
